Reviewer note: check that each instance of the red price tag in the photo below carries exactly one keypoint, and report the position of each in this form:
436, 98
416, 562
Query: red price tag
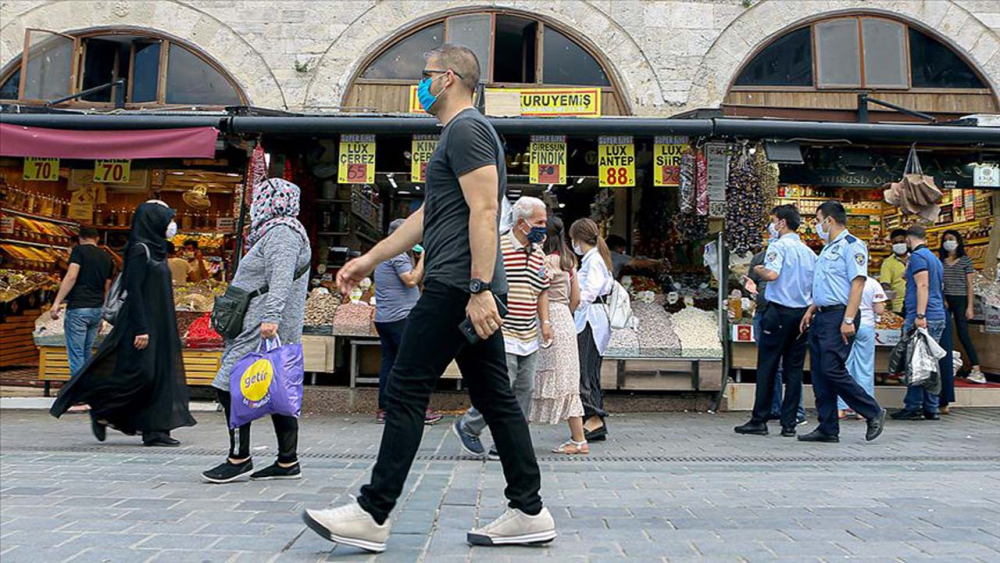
548, 173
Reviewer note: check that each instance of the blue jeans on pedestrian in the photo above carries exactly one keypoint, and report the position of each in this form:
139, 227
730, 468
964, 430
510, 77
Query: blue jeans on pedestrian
919, 397
81, 326
861, 361
390, 335
778, 389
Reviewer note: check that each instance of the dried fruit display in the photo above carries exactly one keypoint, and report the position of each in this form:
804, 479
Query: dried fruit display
354, 319
746, 217
687, 183
321, 308
202, 335
698, 332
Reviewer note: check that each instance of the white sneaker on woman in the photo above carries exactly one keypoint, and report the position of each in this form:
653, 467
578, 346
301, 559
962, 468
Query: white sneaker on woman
350, 525
977, 377
515, 527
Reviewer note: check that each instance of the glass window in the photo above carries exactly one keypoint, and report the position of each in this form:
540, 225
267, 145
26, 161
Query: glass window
785, 62
146, 72
885, 53
405, 59
50, 65
934, 65
516, 47
190, 80
9, 89
565, 62
838, 60
99, 65
472, 31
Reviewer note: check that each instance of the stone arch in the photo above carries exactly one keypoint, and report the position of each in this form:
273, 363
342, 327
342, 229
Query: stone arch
385, 22
946, 20
211, 37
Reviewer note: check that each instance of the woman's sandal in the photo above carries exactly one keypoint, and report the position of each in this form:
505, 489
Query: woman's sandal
572, 447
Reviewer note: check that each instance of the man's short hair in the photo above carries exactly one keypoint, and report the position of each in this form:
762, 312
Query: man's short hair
460, 60
835, 210
897, 233
396, 223
615, 242
917, 232
191, 242
88, 233
789, 214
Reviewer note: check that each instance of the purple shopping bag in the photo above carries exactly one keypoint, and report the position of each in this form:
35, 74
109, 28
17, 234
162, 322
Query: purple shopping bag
268, 382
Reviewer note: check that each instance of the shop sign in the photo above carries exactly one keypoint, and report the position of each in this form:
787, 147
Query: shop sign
420, 154
81, 204
225, 224
992, 319
717, 155
548, 159
113, 171
6, 225
41, 169
356, 161
667, 153
616, 162
543, 102
986, 175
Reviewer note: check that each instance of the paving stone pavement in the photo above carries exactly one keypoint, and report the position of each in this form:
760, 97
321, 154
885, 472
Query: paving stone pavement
667, 487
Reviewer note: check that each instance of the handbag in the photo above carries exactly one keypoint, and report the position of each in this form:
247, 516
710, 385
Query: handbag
266, 382
117, 294
230, 309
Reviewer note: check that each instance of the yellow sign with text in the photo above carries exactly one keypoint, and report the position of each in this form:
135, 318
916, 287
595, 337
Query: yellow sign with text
421, 150
41, 169
548, 159
616, 162
114, 171
667, 152
356, 161
543, 102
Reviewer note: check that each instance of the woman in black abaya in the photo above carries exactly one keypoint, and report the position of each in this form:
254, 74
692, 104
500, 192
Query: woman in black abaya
135, 382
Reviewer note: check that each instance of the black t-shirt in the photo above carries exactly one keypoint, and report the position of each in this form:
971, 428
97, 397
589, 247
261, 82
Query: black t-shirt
95, 269
467, 143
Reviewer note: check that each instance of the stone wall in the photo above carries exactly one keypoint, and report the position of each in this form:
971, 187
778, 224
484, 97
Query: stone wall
668, 56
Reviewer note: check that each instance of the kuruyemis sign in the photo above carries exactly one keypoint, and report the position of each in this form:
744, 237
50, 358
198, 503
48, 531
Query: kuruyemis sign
544, 102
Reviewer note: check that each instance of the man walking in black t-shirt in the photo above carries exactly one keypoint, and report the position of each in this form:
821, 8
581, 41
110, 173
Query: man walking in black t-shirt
464, 279
83, 289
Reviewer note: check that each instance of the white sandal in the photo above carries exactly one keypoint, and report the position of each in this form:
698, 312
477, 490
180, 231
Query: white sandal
572, 447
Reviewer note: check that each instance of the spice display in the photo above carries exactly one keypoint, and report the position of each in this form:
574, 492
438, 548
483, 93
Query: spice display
202, 335
624, 343
698, 332
354, 319
691, 227
656, 331
889, 320
687, 183
746, 217
701, 184
198, 297
321, 308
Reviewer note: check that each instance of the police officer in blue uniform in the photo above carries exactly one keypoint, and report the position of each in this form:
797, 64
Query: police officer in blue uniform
832, 322
788, 269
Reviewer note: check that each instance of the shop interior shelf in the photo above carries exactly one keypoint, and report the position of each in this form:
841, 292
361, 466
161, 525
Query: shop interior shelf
363, 236
35, 244
39, 217
364, 219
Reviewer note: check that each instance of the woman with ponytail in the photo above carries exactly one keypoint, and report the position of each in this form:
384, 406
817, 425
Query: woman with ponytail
593, 325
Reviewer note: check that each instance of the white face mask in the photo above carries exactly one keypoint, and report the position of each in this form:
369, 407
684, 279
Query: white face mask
577, 249
899, 248
824, 235
171, 230
772, 230
950, 245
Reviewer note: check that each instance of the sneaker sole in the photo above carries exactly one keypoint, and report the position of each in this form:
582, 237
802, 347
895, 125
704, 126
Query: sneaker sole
431, 422
536, 538
208, 479
353, 542
277, 478
461, 443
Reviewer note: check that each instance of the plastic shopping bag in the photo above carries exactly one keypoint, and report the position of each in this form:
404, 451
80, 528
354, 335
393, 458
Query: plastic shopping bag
924, 367
268, 382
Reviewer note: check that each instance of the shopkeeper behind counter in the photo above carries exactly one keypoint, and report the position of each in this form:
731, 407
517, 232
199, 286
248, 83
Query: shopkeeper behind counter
199, 269
892, 276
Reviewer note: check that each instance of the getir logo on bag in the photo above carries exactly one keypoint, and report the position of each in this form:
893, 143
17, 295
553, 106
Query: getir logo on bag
256, 380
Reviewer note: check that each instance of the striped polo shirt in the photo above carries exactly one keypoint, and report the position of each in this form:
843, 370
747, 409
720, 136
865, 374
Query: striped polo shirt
526, 278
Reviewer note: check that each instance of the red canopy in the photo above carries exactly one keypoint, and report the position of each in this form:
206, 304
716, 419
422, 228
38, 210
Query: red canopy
187, 142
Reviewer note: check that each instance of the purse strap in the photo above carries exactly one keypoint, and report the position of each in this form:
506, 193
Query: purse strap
298, 274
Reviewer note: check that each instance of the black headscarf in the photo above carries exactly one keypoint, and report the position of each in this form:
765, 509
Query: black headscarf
149, 226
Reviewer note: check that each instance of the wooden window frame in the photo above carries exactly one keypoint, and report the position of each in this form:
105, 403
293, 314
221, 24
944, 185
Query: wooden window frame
74, 65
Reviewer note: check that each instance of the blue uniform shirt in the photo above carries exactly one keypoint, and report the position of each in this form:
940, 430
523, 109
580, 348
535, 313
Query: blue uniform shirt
923, 260
794, 263
840, 262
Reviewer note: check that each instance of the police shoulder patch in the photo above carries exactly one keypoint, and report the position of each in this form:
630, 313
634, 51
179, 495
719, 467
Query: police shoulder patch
860, 258
771, 256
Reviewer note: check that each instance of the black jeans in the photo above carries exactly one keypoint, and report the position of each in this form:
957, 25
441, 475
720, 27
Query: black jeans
957, 304
431, 341
591, 394
391, 336
285, 427
780, 343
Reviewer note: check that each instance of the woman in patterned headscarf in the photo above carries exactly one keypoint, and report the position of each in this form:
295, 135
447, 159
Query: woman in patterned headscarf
279, 258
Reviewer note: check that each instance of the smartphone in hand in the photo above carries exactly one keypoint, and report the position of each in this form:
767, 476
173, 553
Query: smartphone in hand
469, 331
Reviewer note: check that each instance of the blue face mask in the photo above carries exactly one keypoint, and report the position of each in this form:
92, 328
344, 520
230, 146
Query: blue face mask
427, 100
536, 235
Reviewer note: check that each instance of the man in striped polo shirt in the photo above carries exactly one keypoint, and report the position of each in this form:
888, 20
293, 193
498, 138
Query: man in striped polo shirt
527, 305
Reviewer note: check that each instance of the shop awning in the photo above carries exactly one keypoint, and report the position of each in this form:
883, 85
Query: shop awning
185, 142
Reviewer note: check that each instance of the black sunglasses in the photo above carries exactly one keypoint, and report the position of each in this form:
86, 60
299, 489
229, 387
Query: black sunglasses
428, 72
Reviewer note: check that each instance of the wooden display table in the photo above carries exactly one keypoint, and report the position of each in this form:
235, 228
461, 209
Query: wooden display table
200, 366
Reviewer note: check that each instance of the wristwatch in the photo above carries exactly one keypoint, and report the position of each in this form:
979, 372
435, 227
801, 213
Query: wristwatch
921, 316
848, 320
478, 286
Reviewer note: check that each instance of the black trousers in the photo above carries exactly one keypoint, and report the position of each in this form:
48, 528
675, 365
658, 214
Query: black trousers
780, 344
828, 359
285, 427
957, 304
431, 341
591, 394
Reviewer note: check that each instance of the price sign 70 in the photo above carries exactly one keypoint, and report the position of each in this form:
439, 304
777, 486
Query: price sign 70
117, 171
41, 169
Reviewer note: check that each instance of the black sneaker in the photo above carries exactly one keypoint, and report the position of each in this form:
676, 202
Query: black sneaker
227, 472
875, 426
788, 432
818, 436
470, 442
932, 416
752, 428
276, 472
907, 414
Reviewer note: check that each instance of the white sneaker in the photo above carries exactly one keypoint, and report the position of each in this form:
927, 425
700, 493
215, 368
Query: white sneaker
349, 525
515, 527
977, 377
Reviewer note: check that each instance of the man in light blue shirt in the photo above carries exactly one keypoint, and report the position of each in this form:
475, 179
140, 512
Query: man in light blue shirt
838, 283
788, 269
